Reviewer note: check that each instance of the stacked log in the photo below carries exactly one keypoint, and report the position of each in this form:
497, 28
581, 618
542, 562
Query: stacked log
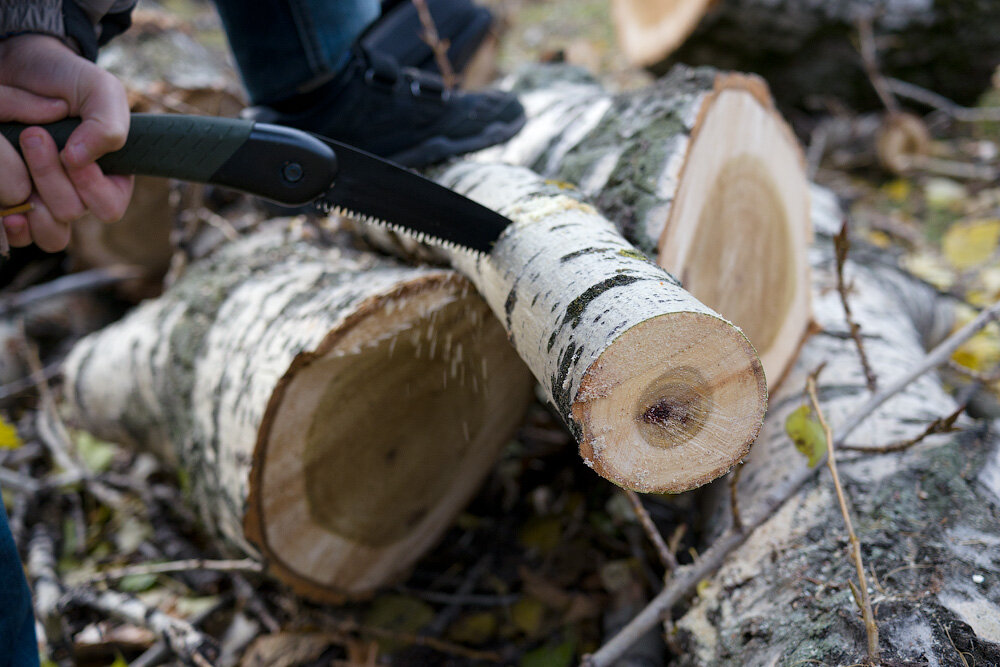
327, 410
700, 172
925, 516
808, 51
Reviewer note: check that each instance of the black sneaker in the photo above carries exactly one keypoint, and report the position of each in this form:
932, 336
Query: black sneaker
404, 115
400, 34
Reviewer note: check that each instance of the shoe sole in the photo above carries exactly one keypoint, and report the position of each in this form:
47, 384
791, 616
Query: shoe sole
437, 149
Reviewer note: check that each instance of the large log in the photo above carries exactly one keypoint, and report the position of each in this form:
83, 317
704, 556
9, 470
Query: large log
660, 391
809, 49
328, 411
927, 517
700, 172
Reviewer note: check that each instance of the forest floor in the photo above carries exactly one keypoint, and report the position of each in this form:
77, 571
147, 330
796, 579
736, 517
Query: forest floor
548, 558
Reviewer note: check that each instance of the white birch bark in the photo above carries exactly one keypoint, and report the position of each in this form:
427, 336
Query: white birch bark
699, 171
329, 410
926, 517
661, 392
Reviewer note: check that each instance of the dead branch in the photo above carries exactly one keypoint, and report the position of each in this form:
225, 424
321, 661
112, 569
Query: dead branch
190, 565
939, 425
438, 46
861, 592
842, 246
667, 557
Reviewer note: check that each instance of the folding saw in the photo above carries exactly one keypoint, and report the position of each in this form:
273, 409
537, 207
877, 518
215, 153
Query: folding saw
293, 168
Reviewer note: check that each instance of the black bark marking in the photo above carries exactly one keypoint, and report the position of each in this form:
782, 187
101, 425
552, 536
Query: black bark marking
576, 308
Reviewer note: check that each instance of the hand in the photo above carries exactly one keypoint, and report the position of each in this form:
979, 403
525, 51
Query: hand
41, 81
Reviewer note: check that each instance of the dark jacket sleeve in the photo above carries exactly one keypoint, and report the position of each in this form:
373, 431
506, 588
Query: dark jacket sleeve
83, 24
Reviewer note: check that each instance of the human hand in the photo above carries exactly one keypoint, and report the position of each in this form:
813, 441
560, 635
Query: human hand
41, 81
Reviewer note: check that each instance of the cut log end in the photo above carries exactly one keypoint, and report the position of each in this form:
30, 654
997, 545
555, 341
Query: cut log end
374, 441
675, 403
738, 231
648, 30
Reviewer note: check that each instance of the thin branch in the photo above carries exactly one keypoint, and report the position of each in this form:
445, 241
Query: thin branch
686, 578
667, 558
869, 56
734, 499
842, 246
172, 567
939, 425
942, 103
978, 376
939, 355
864, 600
438, 46
74, 282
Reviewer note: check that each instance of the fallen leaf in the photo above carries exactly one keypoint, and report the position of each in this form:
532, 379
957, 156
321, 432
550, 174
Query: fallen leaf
528, 614
807, 434
477, 628
969, 244
8, 436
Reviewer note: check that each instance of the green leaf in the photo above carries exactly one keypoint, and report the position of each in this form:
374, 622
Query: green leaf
136, 583
119, 661
807, 434
550, 655
96, 454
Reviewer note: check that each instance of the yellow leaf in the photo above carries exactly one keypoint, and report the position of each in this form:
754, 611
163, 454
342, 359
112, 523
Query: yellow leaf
968, 244
879, 239
897, 191
807, 434
982, 351
931, 268
8, 436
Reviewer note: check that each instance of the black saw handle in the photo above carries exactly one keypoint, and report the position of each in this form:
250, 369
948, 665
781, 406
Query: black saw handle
277, 163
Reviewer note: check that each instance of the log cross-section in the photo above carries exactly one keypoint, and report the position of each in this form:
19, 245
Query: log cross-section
661, 392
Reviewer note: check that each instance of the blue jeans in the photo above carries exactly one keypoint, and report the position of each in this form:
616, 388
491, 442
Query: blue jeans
18, 647
286, 47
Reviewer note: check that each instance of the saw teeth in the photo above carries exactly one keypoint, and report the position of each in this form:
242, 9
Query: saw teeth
420, 237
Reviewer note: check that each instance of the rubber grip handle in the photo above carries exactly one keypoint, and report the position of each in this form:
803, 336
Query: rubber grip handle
190, 148
278, 163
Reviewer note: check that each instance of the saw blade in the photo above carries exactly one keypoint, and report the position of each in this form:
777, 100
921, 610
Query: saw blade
377, 192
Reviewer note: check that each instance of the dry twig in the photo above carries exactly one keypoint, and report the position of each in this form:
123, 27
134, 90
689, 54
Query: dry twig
438, 46
667, 557
239, 565
842, 245
861, 591
939, 425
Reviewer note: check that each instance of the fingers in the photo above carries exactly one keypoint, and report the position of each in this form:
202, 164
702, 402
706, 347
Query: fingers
106, 197
25, 107
15, 185
103, 106
52, 184
16, 227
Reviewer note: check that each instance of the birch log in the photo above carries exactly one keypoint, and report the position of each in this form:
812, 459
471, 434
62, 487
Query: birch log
927, 517
699, 171
661, 392
809, 49
329, 411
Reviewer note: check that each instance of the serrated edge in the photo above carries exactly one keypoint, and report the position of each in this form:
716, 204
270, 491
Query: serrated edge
418, 236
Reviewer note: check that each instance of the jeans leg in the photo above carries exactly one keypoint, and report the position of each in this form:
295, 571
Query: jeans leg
285, 47
18, 647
